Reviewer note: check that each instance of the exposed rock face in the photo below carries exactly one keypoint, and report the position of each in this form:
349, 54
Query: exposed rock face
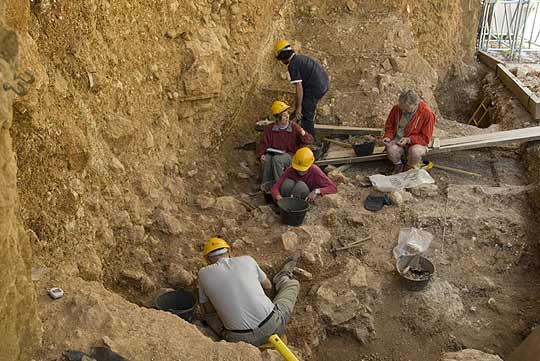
470, 355
18, 318
94, 315
342, 302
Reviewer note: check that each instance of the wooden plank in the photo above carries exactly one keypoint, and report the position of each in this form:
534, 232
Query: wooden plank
515, 133
351, 160
495, 139
516, 86
489, 60
343, 129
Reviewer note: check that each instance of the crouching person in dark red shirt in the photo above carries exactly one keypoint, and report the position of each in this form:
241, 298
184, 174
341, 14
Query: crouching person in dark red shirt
303, 179
279, 142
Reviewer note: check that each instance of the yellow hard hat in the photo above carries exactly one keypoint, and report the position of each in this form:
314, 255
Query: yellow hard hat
281, 45
279, 107
303, 159
213, 244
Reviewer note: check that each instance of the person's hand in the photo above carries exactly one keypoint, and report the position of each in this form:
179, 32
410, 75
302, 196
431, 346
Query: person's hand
298, 114
278, 197
299, 128
263, 158
404, 141
385, 141
311, 196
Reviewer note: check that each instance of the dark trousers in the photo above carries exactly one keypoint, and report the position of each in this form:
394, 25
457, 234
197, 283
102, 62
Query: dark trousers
309, 108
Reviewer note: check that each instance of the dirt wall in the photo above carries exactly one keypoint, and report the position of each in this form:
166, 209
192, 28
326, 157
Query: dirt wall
19, 334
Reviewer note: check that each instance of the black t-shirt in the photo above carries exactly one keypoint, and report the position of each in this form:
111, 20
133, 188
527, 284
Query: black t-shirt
304, 69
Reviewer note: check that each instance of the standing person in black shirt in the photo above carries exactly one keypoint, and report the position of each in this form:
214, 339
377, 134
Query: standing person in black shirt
310, 80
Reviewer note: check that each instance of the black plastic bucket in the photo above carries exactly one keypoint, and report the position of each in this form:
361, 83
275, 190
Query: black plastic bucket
413, 281
180, 302
363, 149
293, 210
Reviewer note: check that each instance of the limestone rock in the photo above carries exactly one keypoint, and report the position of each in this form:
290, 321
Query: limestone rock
334, 306
289, 240
338, 176
90, 266
271, 355
425, 190
331, 218
229, 204
302, 273
166, 223
141, 255
331, 201
339, 298
439, 304
138, 279
469, 355
178, 277
205, 202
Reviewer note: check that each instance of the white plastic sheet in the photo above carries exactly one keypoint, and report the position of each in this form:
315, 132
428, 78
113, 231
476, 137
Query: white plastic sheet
392, 183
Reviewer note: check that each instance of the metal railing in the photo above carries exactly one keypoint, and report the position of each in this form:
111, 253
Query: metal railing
509, 26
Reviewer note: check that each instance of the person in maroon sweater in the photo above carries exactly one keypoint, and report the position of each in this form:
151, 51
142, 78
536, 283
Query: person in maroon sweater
279, 141
303, 179
409, 128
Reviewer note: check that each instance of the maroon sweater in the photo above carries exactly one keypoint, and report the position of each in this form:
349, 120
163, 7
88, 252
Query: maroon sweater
288, 139
314, 178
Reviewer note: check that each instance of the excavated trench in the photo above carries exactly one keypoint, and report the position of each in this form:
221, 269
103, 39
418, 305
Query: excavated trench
127, 161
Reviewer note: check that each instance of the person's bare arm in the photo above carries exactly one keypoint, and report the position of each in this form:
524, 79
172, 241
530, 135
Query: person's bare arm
266, 284
299, 98
208, 307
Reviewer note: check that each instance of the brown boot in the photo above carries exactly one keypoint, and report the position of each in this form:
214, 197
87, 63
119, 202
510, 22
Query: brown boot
398, 168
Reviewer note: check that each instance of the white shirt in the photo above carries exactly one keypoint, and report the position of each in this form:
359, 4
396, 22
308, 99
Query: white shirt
233, 286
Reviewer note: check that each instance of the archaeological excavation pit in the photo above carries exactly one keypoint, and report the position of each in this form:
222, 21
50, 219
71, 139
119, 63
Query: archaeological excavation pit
127, 136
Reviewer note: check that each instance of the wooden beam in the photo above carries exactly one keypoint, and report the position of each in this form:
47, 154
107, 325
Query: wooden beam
488, 59
456, 144
346, 130
524, 94
517, 134
351, 160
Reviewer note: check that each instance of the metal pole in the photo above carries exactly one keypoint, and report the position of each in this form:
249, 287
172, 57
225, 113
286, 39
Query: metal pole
481, 39
516, 30
534, 23
523, 30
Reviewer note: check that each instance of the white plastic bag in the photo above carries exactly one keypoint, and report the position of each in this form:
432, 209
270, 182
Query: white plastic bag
412, 242
392, 183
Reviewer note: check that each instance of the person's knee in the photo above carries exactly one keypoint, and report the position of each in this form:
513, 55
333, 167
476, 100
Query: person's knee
416, 152
394, 152
287, 187
301, 190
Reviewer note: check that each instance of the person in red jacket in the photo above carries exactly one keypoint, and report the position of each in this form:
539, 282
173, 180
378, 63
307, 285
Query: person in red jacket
279, 141
303, 179
409, 128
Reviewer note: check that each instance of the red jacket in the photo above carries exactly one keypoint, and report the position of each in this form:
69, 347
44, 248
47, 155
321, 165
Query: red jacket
314, 178
289, 139
419, 128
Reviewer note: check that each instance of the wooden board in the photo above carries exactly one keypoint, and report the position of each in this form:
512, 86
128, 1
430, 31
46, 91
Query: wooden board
514, 133
461, 143
488, 59
516, 86
346, 130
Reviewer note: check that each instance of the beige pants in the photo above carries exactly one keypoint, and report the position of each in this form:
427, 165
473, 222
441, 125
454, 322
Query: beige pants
414, 153
284, 301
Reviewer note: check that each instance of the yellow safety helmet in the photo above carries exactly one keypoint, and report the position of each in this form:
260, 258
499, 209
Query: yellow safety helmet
303, 159
279, 107
213, 244
281, 45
